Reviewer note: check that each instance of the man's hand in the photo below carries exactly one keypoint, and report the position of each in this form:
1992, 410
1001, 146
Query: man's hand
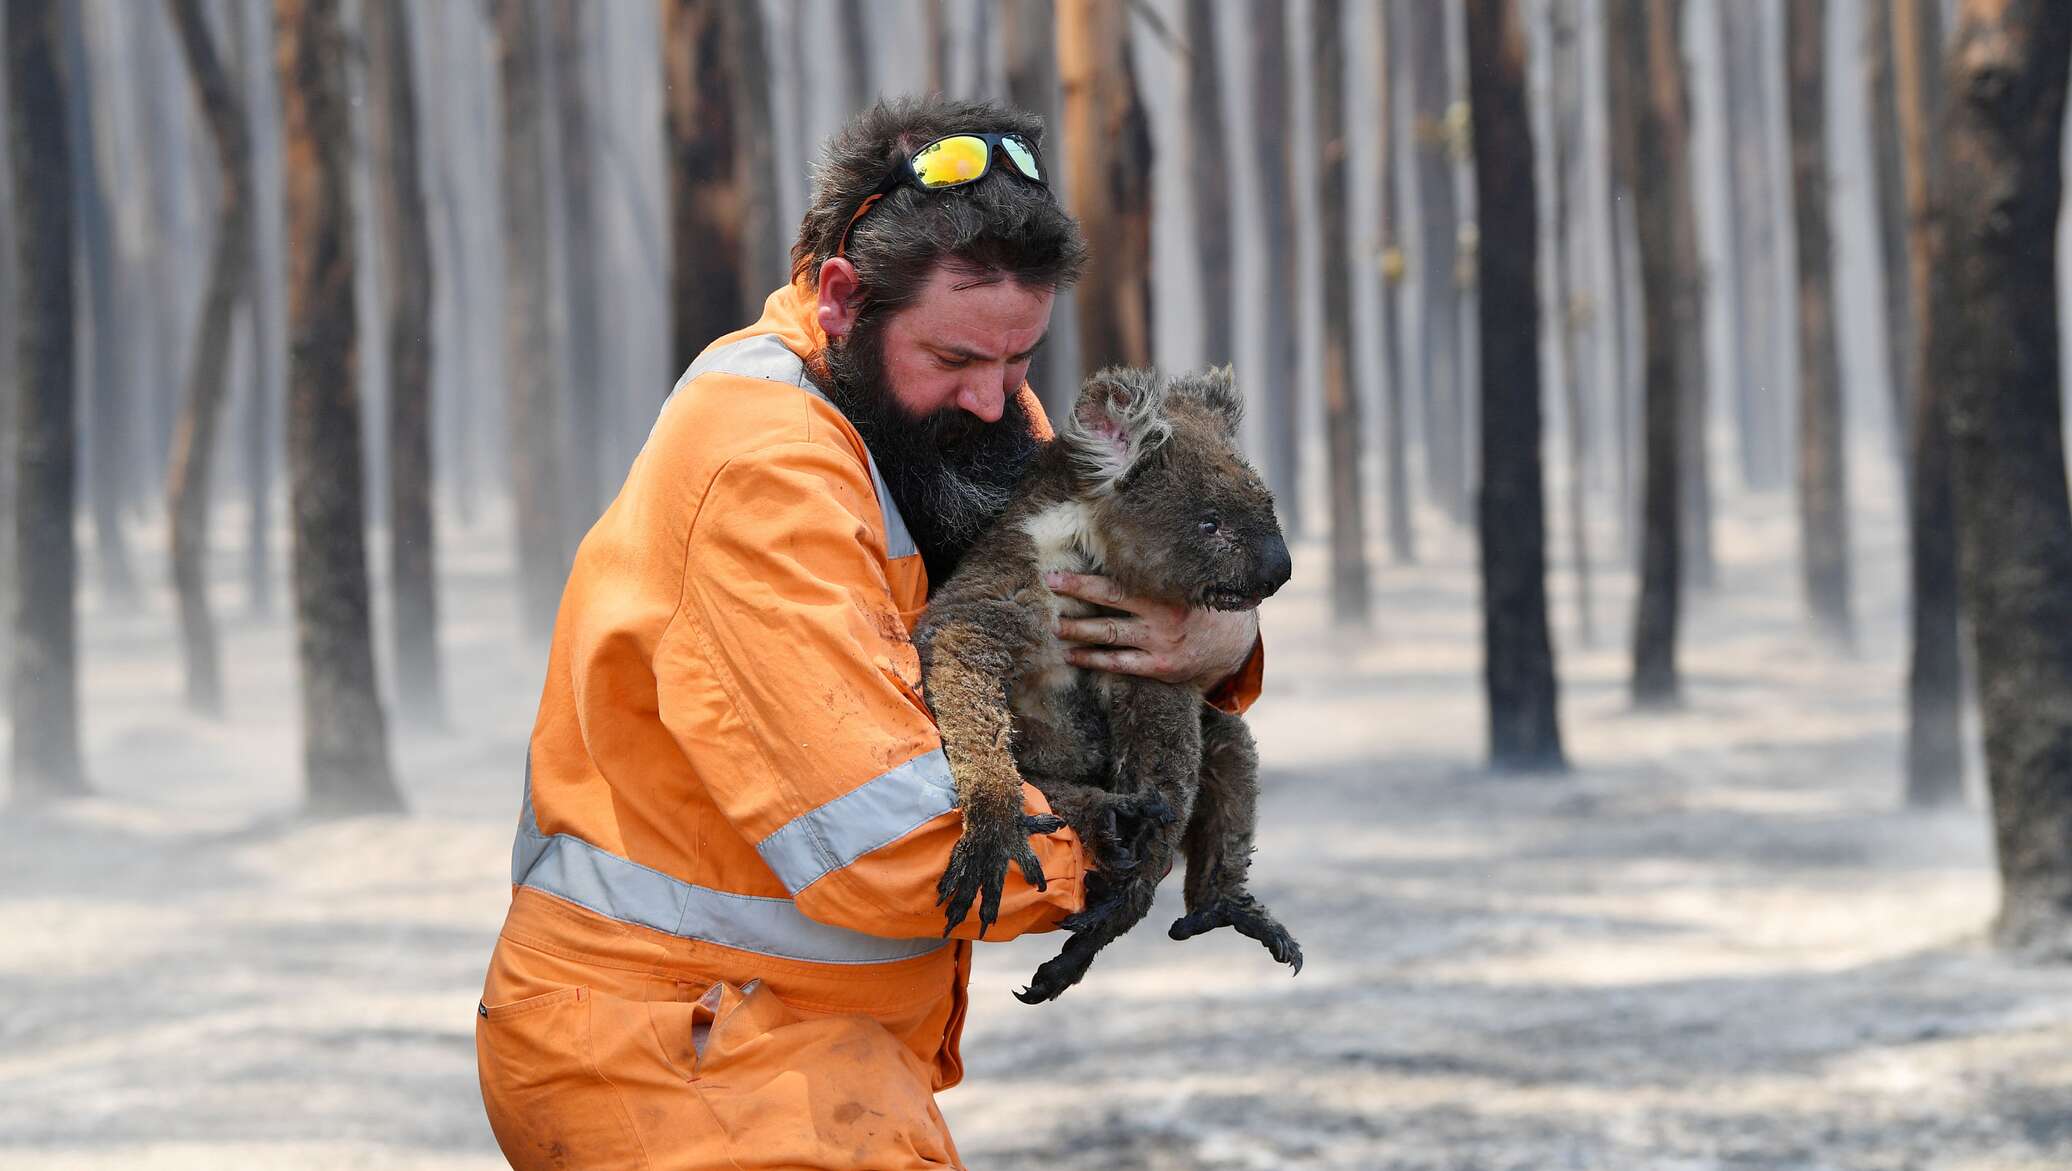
1158, 640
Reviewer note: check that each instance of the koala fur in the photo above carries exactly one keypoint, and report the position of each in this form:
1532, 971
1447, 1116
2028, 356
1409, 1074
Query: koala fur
1145, 485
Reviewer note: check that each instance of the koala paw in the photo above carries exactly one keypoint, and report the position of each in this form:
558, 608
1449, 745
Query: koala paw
978, 867
1244, 913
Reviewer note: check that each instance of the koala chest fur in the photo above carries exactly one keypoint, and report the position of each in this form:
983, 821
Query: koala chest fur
1061, 711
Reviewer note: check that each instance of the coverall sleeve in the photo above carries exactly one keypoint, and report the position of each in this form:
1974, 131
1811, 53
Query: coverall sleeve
789, 643
1237, 693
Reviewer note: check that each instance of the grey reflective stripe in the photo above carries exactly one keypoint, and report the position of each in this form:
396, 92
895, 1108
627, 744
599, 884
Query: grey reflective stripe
765, 356
568, 867
883, 809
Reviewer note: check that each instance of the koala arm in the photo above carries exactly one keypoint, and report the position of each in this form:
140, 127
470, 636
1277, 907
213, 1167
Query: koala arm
787, 637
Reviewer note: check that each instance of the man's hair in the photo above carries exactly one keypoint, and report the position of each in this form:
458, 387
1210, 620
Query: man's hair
1000, 224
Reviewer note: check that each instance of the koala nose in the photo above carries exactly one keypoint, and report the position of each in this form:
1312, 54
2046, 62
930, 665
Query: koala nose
1275, 566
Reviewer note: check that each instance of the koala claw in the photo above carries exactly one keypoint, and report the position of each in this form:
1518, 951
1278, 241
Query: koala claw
1244, 913
978, 868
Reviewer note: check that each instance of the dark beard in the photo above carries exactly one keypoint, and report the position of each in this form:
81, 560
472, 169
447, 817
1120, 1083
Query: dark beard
950, 473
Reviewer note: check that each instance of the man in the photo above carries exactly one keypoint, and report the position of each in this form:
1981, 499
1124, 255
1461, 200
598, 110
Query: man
723, 948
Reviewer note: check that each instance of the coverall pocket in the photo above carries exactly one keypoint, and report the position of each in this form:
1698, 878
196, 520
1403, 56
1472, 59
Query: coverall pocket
548, 1105
816, 1091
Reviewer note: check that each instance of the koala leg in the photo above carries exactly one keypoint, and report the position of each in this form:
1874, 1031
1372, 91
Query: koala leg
1155, 738
1114, 827
965, 666
1219, 840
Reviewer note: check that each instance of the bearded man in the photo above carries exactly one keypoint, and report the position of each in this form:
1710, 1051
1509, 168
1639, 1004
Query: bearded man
724, 948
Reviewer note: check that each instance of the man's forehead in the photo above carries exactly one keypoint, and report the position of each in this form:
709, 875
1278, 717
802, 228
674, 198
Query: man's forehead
995, 319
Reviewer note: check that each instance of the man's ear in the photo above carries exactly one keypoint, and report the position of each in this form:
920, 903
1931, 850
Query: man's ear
840, 294
1118, 420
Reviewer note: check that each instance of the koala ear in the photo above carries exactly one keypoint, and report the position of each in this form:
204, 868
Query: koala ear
1118, 419
1216, 389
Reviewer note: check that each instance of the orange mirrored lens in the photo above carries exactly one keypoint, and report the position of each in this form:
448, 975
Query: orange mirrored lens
950, 161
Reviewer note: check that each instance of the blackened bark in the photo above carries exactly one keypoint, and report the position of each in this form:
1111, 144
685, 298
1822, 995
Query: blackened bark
587, 402
1395, 379
344, 736
1518, 664
2003, 128
860, 78
706, 187
1823, 467
106, 328
1208, 169
1028, 36
1273, 160
1437, 131
407, 258
1881, 96
1108, 144
261, 437
1564, 24
1935, 688
1759, 394
1693, 462
194, 437
1647, 98
532, 411
767, 263
1349, 585
45, 692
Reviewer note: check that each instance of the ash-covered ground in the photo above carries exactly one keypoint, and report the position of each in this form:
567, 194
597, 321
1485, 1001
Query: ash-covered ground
1717, 943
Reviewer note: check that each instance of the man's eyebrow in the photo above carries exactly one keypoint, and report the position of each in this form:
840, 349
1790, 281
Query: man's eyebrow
967, 355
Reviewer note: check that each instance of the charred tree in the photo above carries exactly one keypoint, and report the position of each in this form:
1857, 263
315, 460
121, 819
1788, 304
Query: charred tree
1208, 171
532, 410
1108, 147
1823, 470
1881, 98
45, 691
860, 79
1439, 131
2004, 131
1754, 246
768, 260
106, 327
194, 437
1564, 25
261, 435
1647, 99
1518, 665
1029, 47
1273, 161
407, 258
1349, 586
586, 406
344, 736
1395, 439
1935, 689
707, 189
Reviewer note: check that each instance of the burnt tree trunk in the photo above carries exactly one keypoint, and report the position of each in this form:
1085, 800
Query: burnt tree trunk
587, 402
1564, 25
261, 435
1108, 144
707, 190
1647, 91
1759, 395
860, 80
1823, 470
407, 257
2003, 129
767, 263
1881, 98
1349, 586
1208, 170
532, 411
1693, 463
1518, 664
1029, 47
1437, 131
1935, 687
344, 736
194, 437
44, 759
1395, 456
1273, 160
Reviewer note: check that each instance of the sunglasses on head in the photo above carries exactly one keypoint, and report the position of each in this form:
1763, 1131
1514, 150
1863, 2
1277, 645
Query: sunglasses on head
950, 161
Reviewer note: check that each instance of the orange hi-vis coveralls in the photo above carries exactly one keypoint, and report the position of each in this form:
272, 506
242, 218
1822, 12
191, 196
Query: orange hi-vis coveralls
723, 948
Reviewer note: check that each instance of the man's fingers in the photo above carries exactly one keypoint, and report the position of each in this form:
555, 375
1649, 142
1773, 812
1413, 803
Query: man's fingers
1126, 662
1087, 587
1105, 630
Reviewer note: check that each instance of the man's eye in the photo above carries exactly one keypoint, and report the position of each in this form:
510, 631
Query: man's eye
954, 363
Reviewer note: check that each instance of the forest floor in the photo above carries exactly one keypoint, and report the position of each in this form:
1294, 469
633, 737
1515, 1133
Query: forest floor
1717, 943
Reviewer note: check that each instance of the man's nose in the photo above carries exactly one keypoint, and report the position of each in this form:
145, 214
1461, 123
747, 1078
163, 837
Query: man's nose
987, 400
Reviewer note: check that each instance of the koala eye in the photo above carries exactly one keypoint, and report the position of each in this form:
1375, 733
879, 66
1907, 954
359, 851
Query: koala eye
1210, 524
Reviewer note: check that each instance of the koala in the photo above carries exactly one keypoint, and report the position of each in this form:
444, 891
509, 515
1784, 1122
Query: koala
1143, 484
